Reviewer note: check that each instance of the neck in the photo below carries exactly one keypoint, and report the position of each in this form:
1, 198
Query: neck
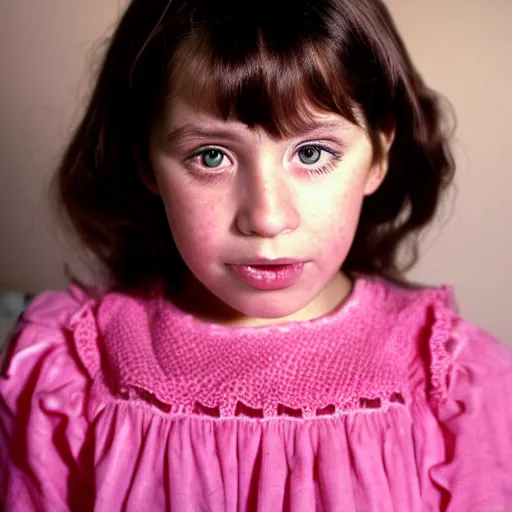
195, 299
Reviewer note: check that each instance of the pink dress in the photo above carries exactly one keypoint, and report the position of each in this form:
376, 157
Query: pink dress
390, 403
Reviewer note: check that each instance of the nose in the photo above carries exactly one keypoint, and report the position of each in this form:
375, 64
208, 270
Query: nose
267, 204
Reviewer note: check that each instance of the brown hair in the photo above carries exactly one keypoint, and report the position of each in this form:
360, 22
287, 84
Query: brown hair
263, 63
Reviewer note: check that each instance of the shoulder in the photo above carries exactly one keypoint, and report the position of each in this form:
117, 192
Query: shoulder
42, 325
45, 410
42, 357
435, 339
471, 381
460, 378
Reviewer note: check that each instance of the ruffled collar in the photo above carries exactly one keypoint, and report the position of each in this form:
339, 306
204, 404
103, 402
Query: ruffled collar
359, 352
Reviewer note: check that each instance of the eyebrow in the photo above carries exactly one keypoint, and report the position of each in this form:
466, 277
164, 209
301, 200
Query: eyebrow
192, 131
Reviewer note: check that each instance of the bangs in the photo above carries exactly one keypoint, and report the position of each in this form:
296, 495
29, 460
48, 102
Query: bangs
273, 74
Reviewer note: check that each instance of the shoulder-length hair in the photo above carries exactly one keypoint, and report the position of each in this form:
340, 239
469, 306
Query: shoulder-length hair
263, 63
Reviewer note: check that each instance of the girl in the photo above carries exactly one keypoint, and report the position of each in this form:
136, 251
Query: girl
247, 174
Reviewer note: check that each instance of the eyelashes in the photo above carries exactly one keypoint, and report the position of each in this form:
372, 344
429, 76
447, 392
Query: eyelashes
326, 168
212, 161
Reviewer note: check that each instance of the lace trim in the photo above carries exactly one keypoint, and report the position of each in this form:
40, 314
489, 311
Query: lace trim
240, 408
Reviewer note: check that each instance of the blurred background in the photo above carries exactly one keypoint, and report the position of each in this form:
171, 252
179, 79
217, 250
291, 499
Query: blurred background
49, 49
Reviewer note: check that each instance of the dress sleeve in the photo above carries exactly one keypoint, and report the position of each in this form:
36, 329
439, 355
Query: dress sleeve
43, 427
471, 400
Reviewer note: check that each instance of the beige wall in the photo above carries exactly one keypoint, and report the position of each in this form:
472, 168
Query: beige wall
462, 47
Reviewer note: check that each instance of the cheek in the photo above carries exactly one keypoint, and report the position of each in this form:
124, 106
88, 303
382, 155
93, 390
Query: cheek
339, 217
334, 232
350, 210
194, 218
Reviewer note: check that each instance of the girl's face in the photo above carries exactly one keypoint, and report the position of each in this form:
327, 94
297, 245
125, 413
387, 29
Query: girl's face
238, 200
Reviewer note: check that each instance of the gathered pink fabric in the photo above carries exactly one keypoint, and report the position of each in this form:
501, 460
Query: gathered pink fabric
390, 403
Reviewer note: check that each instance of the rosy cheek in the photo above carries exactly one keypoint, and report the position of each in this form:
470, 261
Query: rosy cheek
205, 240
197, 220
207, 226
349, 211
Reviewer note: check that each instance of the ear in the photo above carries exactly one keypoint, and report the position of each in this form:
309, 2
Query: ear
379, 168
146, 174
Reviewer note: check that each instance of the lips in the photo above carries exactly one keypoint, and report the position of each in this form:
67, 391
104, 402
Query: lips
269, 274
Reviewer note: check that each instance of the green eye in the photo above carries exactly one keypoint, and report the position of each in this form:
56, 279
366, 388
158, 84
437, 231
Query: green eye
212, 158
309, 155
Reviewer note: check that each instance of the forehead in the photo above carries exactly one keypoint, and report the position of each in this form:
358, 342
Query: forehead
185, 120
